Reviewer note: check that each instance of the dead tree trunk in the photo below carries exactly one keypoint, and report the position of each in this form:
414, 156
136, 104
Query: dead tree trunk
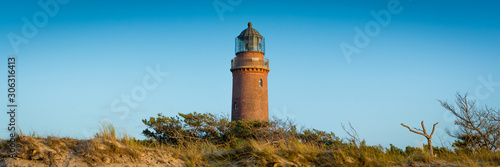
424, 133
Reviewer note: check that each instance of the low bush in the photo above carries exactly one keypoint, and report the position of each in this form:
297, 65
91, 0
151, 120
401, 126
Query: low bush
196, 127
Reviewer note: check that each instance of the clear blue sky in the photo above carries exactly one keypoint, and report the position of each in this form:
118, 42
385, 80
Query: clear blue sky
79, 63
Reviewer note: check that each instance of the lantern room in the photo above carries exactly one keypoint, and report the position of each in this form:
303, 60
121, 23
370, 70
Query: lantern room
250, 40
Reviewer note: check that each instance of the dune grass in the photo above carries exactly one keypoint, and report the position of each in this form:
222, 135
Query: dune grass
248, 144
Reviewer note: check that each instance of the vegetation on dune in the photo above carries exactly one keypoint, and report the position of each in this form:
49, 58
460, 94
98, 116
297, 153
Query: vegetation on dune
203, 139
208, 140
198, 127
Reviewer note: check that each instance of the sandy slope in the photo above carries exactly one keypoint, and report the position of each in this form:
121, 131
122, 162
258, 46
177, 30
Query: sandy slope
94, 152
54, 151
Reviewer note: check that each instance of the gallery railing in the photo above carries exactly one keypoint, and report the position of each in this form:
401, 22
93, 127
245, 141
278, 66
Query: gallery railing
253, 62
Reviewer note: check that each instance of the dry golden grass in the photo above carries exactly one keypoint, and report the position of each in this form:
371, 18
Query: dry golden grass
108, 146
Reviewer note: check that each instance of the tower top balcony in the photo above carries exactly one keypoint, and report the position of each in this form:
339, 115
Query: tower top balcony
252, 62
250, 40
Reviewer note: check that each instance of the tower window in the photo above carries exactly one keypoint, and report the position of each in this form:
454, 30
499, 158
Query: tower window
260, 82
235, 106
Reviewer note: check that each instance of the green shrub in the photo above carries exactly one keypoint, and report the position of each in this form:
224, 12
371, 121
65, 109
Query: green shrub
412, 151
249, 129
395, 150
195, 127
321, 138
190, 127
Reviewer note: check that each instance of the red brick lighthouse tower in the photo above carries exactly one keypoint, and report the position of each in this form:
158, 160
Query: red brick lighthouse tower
250, 70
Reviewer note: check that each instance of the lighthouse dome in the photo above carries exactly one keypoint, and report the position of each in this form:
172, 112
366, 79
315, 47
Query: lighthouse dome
249, 31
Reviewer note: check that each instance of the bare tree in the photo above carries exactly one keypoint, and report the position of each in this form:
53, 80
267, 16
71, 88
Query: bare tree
424, 133
478, 128
353, 135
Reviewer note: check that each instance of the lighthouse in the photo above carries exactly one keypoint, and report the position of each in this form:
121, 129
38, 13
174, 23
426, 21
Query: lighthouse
250, 70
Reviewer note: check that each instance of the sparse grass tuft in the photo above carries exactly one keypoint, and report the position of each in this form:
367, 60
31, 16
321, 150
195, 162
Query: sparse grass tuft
106, 131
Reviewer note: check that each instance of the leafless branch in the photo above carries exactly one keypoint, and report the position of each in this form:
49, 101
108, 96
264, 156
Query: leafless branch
353, 134
423, 132
478, 127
